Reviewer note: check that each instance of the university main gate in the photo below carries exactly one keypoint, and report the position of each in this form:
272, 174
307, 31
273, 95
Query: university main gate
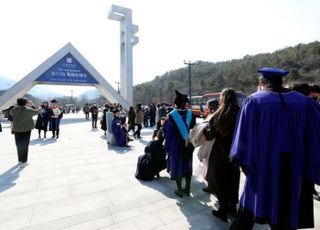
65, 67
68, 67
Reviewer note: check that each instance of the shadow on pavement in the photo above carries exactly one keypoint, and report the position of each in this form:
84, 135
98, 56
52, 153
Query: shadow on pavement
67, 121
43, 141
8, 178
95, 130
195, 208
144, 142
119, 149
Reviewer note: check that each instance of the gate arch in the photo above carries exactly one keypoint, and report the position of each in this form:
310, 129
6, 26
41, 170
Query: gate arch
66, 67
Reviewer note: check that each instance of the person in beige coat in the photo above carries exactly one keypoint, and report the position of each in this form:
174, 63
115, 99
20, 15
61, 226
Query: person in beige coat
138, 120
22, 124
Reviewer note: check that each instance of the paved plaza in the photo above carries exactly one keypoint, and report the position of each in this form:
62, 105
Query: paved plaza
79, 182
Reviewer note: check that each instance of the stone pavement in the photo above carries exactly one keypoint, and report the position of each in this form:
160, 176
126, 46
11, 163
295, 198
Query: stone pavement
79, 182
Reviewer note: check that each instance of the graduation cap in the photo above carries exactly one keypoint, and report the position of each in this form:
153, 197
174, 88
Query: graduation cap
180, 99
115, 110
54, 101
270, 73
274, 75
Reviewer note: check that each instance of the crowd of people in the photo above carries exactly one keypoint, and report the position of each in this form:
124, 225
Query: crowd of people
273, 138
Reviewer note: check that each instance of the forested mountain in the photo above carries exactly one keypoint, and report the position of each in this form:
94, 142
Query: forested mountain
303, 62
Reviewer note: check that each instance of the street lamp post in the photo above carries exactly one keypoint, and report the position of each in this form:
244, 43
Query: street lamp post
189, 67
160, 89
71, 91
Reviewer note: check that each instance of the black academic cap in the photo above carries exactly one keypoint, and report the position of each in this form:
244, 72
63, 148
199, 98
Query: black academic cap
54, 101
186, 99
180, 98
271, 73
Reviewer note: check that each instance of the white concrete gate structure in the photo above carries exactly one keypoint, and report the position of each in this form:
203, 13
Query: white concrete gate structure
127, 41
66, 67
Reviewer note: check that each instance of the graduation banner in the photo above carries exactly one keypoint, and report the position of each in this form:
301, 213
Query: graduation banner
67, 70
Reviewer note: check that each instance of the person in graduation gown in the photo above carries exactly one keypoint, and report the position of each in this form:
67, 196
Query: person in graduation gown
179, 149
154, 160
223, 176
55, 115
119, 130
277, 144
43, 119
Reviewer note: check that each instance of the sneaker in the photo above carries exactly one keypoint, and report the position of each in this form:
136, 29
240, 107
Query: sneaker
22, 165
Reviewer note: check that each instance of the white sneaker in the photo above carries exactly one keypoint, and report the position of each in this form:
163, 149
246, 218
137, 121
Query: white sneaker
22, 165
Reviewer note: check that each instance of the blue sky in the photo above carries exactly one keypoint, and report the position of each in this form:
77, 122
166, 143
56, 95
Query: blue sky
169, 32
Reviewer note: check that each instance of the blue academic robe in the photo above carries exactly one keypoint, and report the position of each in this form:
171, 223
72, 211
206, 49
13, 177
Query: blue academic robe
118, 132
179, 160
277, 146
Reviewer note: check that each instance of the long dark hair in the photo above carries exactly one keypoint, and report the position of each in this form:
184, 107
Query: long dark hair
45, 102
131, 109
226, 114
138, 107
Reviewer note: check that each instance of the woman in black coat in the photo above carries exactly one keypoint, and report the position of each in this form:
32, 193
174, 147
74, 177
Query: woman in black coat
153, 161
104, 118
223, 176
43, 119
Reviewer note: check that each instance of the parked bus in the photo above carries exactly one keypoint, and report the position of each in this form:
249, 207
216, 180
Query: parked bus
197, 104
201, 101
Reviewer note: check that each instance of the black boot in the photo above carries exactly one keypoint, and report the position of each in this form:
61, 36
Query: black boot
186, 190
45, 134
232, 210
179, 191
222, 215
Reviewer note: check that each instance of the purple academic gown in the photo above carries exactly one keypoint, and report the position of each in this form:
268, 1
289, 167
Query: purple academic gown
118, 132
179, 160
276, 147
